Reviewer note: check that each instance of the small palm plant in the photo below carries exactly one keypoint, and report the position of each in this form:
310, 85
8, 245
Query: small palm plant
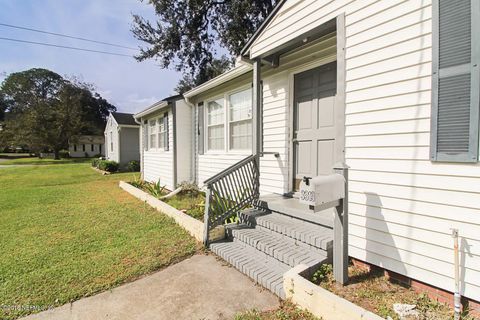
155, 189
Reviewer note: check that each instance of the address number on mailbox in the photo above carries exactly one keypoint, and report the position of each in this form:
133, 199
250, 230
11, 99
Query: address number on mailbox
307, 196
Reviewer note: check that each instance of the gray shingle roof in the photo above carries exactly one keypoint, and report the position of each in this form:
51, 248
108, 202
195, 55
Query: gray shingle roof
124, 118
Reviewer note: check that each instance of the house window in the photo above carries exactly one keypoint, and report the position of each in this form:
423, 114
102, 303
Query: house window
75, 147
92, 147
161, 132
111, 141
455, 81
83, 147
240, 120
153, 134
100, 148
216, 125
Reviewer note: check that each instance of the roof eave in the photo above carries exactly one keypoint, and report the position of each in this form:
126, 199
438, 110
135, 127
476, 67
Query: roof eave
155, 107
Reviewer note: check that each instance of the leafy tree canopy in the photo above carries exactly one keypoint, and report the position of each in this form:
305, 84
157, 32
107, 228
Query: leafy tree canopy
45, 110
187, 31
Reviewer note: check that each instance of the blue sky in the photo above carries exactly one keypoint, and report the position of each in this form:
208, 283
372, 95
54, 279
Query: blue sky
128, 84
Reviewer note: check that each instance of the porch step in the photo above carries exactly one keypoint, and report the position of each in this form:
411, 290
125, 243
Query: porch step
282, 248
293, 208
315, 235
265, 270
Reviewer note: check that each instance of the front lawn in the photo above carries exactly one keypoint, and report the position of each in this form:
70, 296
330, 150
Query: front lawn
67, 232
38, 161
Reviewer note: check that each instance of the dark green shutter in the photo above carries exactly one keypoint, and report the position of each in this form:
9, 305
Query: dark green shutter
200, 128
455, 80
165, 126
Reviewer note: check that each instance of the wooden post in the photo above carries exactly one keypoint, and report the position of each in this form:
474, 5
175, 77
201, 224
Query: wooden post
206, 217
340, 232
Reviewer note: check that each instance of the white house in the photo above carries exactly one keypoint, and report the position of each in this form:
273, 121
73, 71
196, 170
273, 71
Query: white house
166, 142
86, 146
388, 87
122, 138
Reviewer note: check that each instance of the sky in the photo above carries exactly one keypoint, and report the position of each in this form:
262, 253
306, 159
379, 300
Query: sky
130, 85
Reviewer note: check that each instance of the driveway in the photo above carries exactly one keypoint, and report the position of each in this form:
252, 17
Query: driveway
201, 287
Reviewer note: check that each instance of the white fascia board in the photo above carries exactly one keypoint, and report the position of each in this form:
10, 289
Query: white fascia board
224, 77
155, 107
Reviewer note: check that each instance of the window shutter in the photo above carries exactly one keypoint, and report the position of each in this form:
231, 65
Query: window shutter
201, 128
165, 126
456, 85
145, 135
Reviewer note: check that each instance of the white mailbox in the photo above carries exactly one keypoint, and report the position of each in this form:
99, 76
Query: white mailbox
322, 190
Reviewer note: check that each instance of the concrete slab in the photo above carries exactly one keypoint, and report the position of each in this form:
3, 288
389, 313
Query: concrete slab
200, 287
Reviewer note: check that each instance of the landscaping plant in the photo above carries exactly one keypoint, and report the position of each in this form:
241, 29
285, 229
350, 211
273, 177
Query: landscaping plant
108, 165
133, 166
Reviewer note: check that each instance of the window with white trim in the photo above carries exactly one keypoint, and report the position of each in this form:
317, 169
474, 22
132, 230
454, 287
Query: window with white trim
240, 120
216, 124
152, 139
161, 133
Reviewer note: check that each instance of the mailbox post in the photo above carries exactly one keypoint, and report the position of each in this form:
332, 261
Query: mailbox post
340, 232
331, 191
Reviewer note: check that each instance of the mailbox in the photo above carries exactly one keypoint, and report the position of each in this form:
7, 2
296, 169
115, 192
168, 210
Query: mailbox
322, 190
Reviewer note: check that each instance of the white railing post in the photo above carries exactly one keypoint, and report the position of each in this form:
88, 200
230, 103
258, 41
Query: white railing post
206, 217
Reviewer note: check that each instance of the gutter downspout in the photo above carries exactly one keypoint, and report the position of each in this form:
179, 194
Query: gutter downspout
141, 145
193, 163
174, 130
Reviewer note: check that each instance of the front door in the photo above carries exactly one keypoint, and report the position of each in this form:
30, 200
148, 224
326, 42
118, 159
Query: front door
314, 124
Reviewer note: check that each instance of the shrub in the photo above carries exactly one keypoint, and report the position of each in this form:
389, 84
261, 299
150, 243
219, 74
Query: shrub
133, 166
95, 162
107, 165
64, 154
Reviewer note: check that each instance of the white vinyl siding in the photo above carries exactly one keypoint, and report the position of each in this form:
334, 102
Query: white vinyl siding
216, 125
402, 205
240, 120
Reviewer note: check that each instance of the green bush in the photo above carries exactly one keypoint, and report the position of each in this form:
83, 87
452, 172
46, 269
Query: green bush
64, 154
95, 162
107, 165
133, 166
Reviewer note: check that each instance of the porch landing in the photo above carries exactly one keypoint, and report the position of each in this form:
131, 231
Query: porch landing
279, 235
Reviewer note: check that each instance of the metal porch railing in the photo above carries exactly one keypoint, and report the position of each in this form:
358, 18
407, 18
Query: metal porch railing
230, 191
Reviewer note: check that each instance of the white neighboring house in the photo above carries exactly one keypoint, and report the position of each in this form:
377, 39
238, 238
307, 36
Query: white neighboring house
376, 85
166, 142
86, 146
122, 138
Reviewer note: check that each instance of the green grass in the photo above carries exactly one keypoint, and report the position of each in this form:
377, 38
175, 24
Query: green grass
38, 161
192, 204
67, 232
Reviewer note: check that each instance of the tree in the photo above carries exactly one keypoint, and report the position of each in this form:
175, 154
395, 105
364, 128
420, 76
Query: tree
187, 31
46, 111
216, 68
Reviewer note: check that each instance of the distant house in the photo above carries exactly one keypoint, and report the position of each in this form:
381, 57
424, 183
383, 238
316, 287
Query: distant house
166, 141
86, 146
122, 138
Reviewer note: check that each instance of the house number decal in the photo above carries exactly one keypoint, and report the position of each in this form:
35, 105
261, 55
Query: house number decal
307, 195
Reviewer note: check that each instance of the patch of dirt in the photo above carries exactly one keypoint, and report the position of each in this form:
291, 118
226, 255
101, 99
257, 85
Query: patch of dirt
371, 290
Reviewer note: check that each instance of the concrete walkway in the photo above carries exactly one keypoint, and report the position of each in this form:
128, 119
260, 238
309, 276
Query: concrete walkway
201, 287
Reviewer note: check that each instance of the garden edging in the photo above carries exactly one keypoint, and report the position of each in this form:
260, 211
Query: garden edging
192, 225
319, 301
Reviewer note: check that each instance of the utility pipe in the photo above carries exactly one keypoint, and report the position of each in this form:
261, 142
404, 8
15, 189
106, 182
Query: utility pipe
456, 296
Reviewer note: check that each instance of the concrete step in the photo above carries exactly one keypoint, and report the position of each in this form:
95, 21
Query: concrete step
313, 234
293, 208
264, 270
285, 249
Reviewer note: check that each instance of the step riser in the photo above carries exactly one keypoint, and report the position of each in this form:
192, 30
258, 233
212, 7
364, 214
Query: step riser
276, 249
305, 235
269, 275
